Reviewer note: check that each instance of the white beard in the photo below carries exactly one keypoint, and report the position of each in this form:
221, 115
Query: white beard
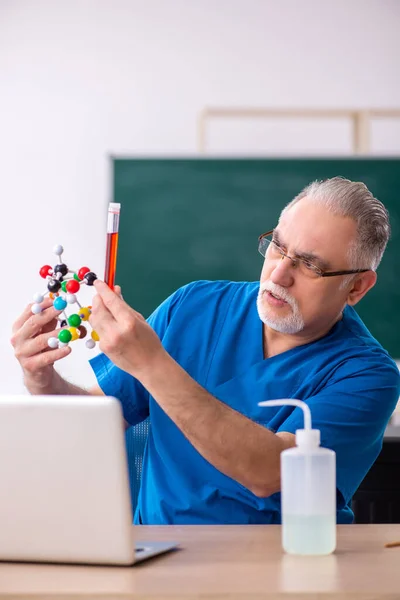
291, 323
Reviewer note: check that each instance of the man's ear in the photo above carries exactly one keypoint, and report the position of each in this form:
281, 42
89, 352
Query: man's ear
360, 286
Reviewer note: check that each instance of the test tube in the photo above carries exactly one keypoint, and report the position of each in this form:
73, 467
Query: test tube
112, 243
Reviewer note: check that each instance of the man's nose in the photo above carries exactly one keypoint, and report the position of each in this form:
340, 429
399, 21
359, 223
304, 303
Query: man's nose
282, 273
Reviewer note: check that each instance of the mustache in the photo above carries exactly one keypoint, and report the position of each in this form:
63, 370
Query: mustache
277, 290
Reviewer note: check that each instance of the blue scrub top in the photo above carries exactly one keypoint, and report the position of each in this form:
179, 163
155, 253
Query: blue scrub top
212, 329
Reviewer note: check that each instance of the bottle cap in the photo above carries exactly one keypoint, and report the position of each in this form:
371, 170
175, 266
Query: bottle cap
114, 207
310, 438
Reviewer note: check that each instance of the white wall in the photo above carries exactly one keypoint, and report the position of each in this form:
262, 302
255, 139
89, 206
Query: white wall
83, 79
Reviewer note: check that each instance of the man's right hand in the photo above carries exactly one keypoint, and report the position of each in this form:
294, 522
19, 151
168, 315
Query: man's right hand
30, 336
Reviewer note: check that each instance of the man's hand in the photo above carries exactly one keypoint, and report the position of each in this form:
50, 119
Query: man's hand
125, 336
30, 336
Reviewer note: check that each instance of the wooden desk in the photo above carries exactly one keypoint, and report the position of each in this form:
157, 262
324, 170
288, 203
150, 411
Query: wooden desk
226, 562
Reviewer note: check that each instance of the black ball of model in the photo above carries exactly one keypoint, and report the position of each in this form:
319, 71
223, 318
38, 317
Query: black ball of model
61, 268
90, 278
53, 285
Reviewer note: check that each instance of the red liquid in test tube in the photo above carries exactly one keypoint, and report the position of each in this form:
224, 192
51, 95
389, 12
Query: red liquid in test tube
112, 243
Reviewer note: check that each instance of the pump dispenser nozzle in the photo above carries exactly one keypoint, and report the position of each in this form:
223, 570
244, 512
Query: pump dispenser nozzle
306, 437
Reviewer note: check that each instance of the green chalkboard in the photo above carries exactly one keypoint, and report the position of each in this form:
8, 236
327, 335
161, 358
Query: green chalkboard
189, 219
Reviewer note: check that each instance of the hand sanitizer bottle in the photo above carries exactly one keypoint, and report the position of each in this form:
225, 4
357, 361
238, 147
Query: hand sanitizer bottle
308, 490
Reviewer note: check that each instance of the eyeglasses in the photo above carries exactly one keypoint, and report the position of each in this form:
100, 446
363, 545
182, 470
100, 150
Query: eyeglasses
270, 248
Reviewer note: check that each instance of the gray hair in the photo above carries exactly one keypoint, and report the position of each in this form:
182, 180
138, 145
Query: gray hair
353, 199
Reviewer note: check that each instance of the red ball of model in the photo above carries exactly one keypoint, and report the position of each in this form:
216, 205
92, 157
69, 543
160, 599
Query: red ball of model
73, 286
45, 271
82, 272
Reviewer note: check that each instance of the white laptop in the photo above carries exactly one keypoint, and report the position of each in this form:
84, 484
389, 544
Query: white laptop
65, 495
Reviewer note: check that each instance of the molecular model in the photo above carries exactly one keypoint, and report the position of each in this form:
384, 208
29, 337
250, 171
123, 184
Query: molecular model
63, 285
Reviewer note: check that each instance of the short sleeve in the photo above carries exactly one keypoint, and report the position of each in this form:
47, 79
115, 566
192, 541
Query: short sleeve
127, 389
352, 413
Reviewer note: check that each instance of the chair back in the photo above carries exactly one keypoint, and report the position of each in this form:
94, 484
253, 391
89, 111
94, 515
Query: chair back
136, 437
377, 500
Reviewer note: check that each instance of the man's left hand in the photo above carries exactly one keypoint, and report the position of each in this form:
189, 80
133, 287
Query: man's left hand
125, 336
